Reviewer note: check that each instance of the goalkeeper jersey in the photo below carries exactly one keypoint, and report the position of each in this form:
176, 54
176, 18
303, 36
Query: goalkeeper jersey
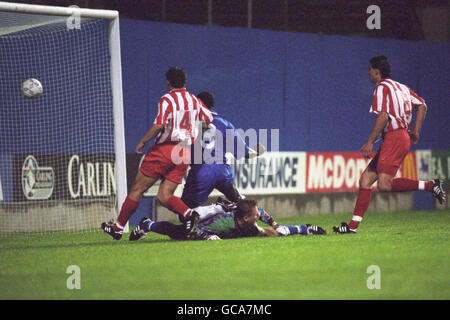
225, 226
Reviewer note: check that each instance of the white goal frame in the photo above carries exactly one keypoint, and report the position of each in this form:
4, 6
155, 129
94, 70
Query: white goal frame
116, 76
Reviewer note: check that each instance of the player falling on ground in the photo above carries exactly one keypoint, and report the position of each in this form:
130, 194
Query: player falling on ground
175, 128
210, 170
393, 103
225, 220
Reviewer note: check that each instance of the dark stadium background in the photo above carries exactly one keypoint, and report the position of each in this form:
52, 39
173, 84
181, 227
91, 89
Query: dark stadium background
402, 19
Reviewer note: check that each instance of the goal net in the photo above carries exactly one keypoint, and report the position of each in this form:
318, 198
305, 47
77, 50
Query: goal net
62, 155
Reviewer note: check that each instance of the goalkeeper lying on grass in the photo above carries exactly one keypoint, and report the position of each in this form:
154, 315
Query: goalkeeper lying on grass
225, 220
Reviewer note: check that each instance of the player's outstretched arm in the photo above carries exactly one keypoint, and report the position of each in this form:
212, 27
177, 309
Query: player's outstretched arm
267, 232
420, 117
151, 133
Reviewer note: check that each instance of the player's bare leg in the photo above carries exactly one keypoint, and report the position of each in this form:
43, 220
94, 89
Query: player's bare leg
140, 185
385, 182
166, 197
367, 179
165, 191
131, 203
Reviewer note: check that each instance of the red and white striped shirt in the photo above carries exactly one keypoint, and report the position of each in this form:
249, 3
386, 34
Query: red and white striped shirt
181, 113
397, 100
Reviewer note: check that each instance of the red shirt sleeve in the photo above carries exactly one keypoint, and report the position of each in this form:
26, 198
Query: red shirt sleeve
415, 98
164, 112
204, 113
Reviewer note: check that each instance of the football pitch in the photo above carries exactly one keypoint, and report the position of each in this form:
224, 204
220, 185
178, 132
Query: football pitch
409, 252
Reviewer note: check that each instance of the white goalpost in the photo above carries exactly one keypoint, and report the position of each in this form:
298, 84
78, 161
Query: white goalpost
62, 154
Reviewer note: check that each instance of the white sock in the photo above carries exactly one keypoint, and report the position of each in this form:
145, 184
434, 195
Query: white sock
421, 185
206, 212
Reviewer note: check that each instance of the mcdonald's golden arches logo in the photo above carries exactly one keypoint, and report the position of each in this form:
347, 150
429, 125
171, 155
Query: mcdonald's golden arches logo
409, 168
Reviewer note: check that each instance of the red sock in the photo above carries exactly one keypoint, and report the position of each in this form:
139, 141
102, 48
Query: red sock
403, 184
176, 204
428, 185
362, 204
129, 206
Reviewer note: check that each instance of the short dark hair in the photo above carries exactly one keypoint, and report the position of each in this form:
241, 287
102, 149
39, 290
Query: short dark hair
381, 63
207, 99
245, 208
177, 77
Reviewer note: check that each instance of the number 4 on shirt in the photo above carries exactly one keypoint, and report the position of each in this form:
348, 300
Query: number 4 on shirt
186, 122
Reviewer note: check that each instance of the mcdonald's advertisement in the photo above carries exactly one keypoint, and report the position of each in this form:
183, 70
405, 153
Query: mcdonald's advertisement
334, 171
340, 171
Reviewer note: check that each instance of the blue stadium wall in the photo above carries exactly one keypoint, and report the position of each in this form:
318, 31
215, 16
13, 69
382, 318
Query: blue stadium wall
314, 88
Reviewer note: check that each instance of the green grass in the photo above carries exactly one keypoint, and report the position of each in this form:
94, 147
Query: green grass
411, 249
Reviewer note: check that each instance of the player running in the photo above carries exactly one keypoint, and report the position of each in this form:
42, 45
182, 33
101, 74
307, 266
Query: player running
225, 220
393, 103
210, 170
175, 128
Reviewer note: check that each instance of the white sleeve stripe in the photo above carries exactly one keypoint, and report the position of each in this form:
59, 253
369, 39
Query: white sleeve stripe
162, 109
380, 99
415, 101
173, 107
